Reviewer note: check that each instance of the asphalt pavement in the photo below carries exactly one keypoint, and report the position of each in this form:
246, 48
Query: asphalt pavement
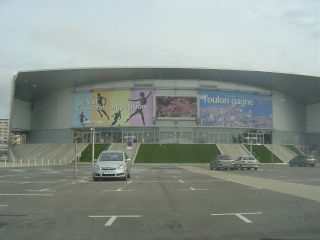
160, 201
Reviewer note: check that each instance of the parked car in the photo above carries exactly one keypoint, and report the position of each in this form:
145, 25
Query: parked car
222, 161
112, 164
247, 162
303, 161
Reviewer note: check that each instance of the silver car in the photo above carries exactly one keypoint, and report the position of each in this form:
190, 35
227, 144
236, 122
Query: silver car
303, 161
112, 164
222, 162
247, 162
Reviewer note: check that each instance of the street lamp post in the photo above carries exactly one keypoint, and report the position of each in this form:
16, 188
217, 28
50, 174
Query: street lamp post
250, 141
93, 136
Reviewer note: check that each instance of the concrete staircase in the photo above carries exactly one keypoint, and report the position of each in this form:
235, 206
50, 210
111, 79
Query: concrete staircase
281, 152
46, 153
132, 153
234, 150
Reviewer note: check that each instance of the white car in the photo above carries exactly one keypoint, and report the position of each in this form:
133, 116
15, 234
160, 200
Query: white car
112, 164
247, 162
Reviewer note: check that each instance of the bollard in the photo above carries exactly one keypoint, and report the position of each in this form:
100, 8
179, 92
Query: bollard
60, 161
35, 162
21, 162
54, 161
28, 162
48, 162
42, 161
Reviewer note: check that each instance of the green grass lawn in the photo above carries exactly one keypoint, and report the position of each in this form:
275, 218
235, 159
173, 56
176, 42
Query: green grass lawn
176, 153
263, 154
86, 155
294, 149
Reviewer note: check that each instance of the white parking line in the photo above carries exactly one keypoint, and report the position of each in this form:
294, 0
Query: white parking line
239, 215
4, 205
42, 190
25, 194
118, 190
113, 218
193, 189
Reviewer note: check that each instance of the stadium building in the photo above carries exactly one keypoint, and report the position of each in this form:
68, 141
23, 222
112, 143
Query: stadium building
166, 105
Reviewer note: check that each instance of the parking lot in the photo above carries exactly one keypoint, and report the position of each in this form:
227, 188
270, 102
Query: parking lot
160, 201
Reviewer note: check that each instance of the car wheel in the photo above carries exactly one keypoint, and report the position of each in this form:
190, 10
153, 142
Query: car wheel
290, 164
248, 168
125, 178
312, 165
225, 168
303, 164
235, 168
129, 175
241, 167
211, 167
95, 179
256, 168
218, 169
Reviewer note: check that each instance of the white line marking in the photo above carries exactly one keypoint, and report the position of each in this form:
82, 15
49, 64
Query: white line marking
181, 181
130, 181
42, 190
4, 205
113, 218
24, 182
193, 189
243, 218
25, 194
239, 215
118, 190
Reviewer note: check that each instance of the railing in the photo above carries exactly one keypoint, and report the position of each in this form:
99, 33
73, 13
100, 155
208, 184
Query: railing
32, 162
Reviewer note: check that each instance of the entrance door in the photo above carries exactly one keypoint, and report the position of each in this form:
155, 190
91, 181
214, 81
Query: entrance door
87, 137
218, 138
135, 136
255, 138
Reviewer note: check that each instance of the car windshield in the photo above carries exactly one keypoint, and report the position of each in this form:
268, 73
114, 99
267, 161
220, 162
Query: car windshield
111, 157
248, 158
225, 158
310, 157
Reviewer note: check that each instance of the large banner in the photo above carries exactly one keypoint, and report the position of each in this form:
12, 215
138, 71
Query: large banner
235, 109
176, 106
113, 108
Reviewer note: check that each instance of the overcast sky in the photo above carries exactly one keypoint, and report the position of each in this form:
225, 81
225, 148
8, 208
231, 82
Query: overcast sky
266, 35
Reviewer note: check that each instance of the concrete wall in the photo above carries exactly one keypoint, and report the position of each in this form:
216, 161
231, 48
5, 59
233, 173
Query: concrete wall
52, 115
53, 111
20, 117
288, 114
313, 118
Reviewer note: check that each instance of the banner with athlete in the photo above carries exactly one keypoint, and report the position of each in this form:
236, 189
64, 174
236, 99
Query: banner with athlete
113, 108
